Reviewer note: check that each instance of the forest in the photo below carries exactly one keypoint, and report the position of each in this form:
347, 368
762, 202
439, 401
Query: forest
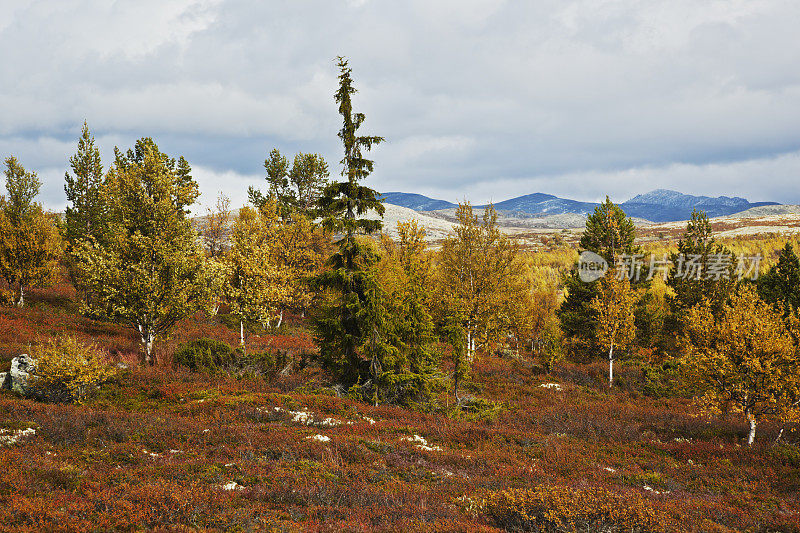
287, 365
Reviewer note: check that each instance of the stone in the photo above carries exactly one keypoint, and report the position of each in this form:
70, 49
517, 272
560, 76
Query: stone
17, 378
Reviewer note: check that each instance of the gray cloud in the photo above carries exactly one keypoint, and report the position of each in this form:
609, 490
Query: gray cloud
483, 99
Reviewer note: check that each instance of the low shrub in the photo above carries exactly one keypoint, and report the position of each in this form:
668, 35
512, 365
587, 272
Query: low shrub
562, 509
474, 409
67, 370
205, 354
211, 356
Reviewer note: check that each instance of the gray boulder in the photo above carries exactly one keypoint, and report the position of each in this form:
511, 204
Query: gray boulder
17, 378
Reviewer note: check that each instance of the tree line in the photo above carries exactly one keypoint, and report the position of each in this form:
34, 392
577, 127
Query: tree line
382, 310
394, 321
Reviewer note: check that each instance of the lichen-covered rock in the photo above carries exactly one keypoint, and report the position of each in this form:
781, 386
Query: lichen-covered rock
17, 378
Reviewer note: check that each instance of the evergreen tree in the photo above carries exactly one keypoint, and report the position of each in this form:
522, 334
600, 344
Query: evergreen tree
147, 270
781, 284
405, 276
691, 276
83, 216
609, 233
349, 325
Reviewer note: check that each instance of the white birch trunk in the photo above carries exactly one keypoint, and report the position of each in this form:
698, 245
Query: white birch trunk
241, 333
146, 336
611, 367
751, 437
21, 299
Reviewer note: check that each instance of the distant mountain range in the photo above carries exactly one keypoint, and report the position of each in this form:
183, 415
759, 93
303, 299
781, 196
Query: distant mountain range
660, 205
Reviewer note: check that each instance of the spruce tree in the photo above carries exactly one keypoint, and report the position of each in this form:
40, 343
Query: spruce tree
781, 284
349, 326
609, 233
692, 287
82, 219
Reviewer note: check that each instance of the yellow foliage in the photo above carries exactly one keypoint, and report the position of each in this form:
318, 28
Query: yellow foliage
745, 359
567, 509
66, 370
29, 249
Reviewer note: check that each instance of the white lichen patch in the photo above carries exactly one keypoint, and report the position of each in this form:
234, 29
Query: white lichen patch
307, 419
231, 485
422, 444
10, 437
554, 386
319, 438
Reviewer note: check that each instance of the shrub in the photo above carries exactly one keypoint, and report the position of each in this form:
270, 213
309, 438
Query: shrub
207, 355
67, 370
551, 509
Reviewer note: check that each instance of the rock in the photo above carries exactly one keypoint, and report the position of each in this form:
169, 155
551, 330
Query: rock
3, 379
17, 378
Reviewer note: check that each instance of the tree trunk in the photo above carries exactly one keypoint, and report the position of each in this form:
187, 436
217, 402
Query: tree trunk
752, 436
146, 336
21, 299
611, 367
280, 319
241, 333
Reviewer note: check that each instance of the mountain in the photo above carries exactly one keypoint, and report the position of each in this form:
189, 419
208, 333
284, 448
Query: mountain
660, 205
417, 202
544, 204
663, 205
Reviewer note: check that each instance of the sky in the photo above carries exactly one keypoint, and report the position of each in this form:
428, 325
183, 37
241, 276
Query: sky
481, 100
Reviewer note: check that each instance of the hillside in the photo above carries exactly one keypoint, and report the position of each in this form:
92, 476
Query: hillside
163, 447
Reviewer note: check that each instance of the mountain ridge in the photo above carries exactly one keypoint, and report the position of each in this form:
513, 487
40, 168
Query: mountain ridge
658, 205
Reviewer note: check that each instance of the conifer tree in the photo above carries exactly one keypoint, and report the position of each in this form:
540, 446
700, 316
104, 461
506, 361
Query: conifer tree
781, 284
83, 216
609, 233
349, 325
405, 274
694, 285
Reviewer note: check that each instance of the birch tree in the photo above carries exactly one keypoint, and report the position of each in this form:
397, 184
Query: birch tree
147, 270
258, 284
614, 306
477, 268
29, 242
745, 359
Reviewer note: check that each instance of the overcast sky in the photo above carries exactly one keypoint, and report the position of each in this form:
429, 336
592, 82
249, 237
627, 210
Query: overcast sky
478, 99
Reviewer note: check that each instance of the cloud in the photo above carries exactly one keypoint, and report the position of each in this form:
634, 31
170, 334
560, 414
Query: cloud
476, 98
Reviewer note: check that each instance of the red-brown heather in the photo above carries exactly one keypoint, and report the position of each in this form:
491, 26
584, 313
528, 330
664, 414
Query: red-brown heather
168, 450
